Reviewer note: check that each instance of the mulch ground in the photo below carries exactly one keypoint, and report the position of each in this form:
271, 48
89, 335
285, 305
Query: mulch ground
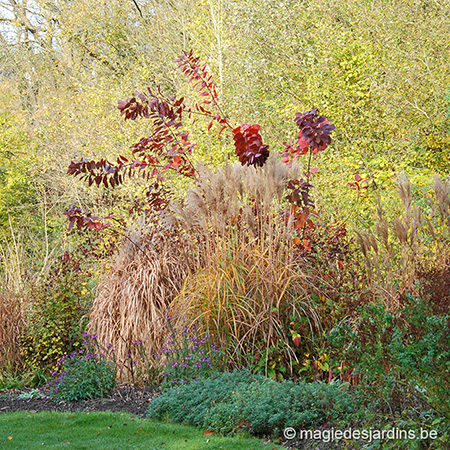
123, 399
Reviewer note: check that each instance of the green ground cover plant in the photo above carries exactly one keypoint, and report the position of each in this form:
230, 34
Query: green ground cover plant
100, 431
240, 400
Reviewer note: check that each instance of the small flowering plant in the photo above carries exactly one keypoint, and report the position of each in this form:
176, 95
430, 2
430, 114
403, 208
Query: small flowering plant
188, 356
86, 373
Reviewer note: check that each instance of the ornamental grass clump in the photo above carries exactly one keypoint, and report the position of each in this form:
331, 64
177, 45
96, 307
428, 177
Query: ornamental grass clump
134, 297
84, 374
252, 282
12, 325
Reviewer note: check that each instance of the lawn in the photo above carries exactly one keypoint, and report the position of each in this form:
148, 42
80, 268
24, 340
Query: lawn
112, 431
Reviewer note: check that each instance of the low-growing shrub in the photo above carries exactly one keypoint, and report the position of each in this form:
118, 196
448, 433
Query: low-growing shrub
84, 374
229, 402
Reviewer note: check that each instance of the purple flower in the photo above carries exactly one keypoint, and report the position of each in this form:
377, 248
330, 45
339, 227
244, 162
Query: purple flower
85, 334
109, 345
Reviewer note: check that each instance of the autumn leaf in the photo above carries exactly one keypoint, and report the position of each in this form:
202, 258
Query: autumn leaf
176, 161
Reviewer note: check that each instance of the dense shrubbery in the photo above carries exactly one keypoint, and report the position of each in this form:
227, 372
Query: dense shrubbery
402, 356
229, 402
55, 316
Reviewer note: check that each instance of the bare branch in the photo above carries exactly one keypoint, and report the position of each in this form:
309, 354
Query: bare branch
138, 8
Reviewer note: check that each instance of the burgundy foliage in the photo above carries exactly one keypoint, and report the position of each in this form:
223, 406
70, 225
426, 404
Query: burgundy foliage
84, 220
249, 146
314, 136
359, 183
205, 85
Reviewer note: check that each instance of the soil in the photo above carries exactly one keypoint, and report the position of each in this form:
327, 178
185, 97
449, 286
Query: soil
123, 399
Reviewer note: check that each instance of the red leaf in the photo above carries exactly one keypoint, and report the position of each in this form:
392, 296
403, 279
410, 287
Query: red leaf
176, 161
223, 128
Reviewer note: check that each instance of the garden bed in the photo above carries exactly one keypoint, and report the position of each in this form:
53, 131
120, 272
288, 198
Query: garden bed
123, 399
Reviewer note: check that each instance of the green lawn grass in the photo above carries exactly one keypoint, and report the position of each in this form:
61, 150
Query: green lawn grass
110, 431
